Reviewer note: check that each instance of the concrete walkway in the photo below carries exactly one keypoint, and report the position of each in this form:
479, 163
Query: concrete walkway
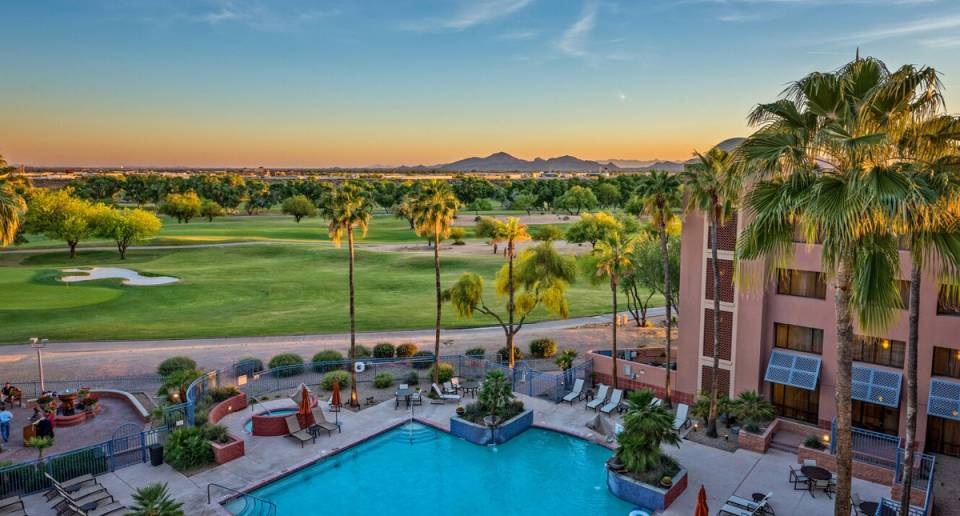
722, 473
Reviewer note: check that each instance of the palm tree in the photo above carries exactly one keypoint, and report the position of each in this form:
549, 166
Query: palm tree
713, 187
347, 209
611, 260
825, 160
12, 207
931, 223
154, 500
646, 425
659, 193
512, 232
433, 210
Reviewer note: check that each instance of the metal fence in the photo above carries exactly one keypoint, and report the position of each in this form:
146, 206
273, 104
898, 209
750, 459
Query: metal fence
28, 477
138, 383
870, 447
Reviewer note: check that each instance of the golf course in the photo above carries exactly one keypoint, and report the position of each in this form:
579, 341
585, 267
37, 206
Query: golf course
289, 279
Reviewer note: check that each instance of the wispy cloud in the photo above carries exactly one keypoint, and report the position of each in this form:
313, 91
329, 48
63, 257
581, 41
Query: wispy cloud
574, 39
255, 14
470, 14
898, 30
519, 35
942, 42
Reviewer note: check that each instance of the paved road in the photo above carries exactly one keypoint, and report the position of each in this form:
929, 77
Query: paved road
47, 250
71, 360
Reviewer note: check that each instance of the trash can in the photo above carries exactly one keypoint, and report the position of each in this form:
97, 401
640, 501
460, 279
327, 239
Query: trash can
156, 454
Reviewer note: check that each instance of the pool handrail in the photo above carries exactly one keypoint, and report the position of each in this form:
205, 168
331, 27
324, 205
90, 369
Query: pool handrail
259, 504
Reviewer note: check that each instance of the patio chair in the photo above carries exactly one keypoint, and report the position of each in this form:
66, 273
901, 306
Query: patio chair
448, 388
416, 398
799, 480
403, 386
855, 502
443, 396
615, 399
809, 462
321, 421
576, 392
294, 430
680, 420
455, 382
600, 399
12, 506
825, 485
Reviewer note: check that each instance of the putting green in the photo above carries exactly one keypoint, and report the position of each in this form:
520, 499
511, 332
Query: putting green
37, 289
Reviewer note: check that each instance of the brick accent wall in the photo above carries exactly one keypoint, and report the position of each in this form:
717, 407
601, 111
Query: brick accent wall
726, 333
726, 280
726, 235
633, 385
706, 373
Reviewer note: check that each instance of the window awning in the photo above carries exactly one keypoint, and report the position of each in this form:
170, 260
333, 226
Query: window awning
944, 399
876, 385
793, 369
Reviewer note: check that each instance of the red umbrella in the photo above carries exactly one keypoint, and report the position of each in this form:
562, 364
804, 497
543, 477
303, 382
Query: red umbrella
303, 410
335, 401
702, 509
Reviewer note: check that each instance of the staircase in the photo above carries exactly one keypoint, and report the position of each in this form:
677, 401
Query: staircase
787, 441
414, 433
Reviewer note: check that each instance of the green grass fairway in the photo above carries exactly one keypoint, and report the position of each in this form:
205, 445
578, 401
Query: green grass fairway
238, 291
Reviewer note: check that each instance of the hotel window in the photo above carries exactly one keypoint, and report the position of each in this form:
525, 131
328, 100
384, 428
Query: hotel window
943, 436
946, 362
798, 338
878, 351
794, 282
947, 301
876, 418
796, 403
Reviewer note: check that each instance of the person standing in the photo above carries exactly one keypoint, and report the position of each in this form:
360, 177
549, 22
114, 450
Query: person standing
5, 418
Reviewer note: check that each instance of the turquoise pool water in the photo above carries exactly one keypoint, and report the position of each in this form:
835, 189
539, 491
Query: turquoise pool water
248, 426
420, 470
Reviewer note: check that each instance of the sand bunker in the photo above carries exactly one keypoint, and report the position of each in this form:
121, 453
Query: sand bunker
128, 276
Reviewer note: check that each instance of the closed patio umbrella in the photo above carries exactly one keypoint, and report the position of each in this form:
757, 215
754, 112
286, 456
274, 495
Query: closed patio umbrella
702, 509
335, 401
303, 408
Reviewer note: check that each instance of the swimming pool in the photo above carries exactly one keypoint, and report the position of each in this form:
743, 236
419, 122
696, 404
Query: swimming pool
248, 426
419, 470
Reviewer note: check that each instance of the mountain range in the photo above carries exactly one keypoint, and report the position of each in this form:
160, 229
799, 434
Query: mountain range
503, 162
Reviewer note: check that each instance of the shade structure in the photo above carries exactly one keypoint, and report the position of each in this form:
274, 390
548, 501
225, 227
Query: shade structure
702, 509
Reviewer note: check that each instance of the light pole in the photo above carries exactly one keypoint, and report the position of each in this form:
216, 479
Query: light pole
38, 344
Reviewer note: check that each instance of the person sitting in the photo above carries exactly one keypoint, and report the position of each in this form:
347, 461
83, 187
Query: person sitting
6, 392
37, 415
45, 428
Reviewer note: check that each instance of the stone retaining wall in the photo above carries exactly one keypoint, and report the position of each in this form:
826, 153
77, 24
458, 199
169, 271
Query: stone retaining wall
484, 435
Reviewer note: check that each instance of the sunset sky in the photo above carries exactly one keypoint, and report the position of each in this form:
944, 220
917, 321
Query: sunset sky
298, 83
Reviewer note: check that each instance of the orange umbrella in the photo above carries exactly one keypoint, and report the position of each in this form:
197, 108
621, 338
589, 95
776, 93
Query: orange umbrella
303, 410
335, 401
702, 509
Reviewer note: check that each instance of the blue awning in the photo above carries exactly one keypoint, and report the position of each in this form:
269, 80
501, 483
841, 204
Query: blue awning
793, 369
876, 385
944, 399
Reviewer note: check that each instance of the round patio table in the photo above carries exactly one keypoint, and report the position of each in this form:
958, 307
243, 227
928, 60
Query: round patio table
869, 507
816, 473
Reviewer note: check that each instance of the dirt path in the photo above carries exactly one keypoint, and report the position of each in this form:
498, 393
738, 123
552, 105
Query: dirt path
118, 358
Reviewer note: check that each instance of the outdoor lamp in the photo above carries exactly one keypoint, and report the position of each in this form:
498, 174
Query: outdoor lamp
826, 438
885, 344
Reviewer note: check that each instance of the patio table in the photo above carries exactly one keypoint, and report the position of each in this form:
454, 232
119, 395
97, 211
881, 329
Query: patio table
402, 393
869, 507
816, 473
470, 387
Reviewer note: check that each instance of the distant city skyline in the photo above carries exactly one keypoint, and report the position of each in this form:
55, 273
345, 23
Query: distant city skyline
357, 83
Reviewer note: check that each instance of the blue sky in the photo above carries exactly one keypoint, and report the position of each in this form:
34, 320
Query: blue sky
339, 82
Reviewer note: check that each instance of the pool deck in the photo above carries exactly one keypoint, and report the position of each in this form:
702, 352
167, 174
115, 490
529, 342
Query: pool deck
722, 473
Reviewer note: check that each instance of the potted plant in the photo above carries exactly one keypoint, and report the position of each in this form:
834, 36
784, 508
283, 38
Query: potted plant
41, 444
494, 396
666, 481
44, 400
460, 410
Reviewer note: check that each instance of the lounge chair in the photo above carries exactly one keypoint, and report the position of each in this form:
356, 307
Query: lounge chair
294, 430
576, 392
799, 480
752, 507
97, 497
12, 506
443, 396
321, 421
736, 510
70, 486
681, 419
600, 399
615, 399
101, 509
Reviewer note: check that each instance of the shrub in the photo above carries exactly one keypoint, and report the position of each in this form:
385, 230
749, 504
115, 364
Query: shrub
645, 427
200, 416
423, 364
327, 355
383, 380
503, 354
174, 364
248, 366
218, 394
476, 352
361, 351
814, 442
216, 433
445, 372
566, 358
413, 378
341, 377
384, 350
752, 410
292, 363
543, 348
188, 448
153, 500
457, 235
406, 350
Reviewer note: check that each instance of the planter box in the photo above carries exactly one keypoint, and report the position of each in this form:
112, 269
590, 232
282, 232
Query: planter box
224, 453
484, 435
645, 495
227, 406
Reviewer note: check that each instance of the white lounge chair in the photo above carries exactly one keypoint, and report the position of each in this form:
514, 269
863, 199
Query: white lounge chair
443, 396
601, 398
615, 400
680, 420
576, 392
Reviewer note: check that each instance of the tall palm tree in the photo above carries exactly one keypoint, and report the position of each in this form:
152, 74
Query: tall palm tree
825, 160
433, 210
611, 260
347, 209
659, 193
12, 207
713, 187
512, 232
931, 223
